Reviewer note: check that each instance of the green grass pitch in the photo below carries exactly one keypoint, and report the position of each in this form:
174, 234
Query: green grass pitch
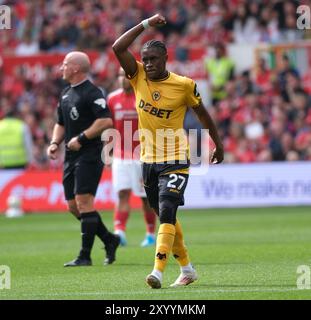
238, 253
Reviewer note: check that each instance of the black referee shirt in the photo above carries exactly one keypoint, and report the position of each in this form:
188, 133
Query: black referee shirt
79, 106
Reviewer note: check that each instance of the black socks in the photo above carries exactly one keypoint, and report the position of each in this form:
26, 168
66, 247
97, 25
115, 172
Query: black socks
91, 225
88, 232
102, 232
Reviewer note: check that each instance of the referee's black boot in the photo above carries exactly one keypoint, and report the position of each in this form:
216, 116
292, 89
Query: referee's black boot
78, 262
111, 248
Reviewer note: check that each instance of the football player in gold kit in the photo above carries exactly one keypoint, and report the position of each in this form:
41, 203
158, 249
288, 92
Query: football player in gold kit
162, 99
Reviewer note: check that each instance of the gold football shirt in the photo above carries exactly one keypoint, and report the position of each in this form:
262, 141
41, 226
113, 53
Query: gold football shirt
161, 106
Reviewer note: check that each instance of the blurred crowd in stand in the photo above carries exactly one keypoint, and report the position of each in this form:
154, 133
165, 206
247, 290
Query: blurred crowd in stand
263, 114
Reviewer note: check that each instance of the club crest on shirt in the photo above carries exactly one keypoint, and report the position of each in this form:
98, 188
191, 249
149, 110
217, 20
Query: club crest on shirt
156, 95
74, 114
118, 106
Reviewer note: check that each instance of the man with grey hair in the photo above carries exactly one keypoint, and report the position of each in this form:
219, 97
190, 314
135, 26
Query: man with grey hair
82, 117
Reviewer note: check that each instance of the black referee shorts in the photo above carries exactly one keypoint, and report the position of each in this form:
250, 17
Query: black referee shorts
82, 172
165, 180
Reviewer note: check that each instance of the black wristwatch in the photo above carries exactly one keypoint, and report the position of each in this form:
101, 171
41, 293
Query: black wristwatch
54, 142
82, 138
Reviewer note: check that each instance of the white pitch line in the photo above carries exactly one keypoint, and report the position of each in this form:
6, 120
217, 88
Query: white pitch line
160, 292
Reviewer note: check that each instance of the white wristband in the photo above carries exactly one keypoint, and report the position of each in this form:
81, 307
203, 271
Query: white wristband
145, 23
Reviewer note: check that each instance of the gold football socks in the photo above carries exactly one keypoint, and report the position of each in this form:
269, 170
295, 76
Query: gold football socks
179, 249
165, 240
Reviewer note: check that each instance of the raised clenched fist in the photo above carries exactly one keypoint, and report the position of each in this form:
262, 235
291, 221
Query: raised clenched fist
157, 20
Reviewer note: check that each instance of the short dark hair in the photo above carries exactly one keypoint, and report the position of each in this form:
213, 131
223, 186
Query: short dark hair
155, 44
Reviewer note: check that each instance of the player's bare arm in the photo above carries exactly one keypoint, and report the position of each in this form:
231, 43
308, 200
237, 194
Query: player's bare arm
95, 130
57, 138
121, 45
208, 123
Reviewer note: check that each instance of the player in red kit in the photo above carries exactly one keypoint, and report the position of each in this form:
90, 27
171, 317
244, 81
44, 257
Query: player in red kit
126, 167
